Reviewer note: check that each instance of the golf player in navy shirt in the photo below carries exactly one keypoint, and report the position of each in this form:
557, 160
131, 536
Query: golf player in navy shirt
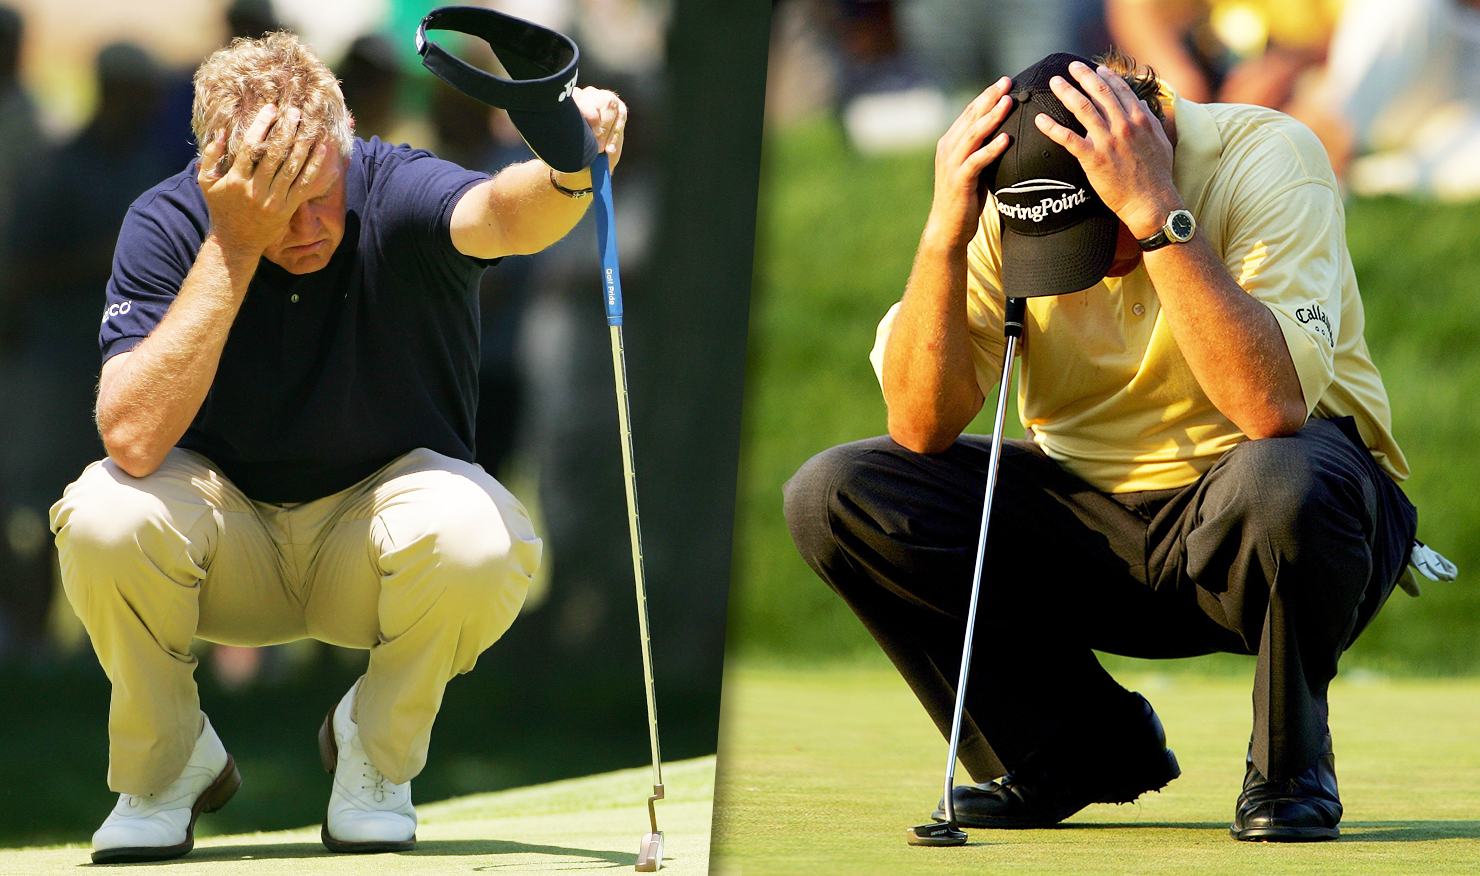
287, 399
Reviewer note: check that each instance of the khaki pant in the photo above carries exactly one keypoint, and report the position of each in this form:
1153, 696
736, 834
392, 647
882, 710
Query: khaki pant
425, 563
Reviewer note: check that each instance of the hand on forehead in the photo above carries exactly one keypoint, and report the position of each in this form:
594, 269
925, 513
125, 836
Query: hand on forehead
283, 136
285, 125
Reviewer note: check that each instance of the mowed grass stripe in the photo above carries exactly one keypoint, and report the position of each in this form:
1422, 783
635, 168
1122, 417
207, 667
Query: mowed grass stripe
593, 823
822, 769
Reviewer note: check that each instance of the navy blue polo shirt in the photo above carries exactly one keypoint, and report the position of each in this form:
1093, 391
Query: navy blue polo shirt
327, 376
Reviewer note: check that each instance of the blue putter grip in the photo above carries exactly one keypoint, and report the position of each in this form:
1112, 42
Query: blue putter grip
606, 239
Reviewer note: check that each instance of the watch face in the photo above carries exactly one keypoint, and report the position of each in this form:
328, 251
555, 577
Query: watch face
1180, 225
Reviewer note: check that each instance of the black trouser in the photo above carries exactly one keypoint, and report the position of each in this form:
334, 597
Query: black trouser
1285, 548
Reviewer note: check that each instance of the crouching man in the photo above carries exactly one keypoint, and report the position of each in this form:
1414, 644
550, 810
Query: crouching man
287, 400
1211, 467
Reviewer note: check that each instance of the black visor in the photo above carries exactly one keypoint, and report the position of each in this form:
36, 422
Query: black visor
538, 98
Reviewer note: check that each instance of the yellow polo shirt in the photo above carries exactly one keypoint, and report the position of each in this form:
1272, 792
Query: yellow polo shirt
1104, 387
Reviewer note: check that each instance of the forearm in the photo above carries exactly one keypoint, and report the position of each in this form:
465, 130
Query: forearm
1230, 340
147, 398
929, 380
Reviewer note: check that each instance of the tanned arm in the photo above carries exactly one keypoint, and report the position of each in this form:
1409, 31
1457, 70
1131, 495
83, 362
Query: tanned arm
928, 378
519, 211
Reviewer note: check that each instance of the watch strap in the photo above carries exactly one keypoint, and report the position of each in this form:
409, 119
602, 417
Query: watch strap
1155, 241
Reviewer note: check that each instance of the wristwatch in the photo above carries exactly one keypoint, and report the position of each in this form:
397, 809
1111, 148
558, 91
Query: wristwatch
1178, 229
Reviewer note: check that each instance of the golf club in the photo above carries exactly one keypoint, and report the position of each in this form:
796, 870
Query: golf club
650, 853
947, 833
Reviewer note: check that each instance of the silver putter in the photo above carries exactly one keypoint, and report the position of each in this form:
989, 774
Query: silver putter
948, 833
650, 853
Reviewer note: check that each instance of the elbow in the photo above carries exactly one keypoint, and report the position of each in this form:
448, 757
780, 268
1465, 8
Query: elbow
132, 460
128, 452
1278, 420
930, 423
133, 465
927, 415
921, 434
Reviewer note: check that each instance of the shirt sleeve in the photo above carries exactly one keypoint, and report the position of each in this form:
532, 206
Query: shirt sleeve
1287, 248
418, 196
149, 265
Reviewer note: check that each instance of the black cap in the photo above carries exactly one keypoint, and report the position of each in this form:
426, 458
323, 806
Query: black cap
543, 64
1057, 235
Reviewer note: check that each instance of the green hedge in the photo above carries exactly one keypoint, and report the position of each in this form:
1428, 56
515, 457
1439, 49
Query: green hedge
835, 238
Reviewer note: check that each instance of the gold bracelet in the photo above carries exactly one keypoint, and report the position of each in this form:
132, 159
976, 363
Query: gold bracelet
577, 194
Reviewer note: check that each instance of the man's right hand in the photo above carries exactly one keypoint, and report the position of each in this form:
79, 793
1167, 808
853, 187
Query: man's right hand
960, 156
272, 174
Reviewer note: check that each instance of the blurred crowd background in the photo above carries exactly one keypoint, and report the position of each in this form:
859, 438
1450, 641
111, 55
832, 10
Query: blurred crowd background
95, 104
1391, 88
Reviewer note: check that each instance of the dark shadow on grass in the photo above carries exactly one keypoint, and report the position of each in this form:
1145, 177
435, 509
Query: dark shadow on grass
1121, 825
1353, 831
425, 848
1408, 831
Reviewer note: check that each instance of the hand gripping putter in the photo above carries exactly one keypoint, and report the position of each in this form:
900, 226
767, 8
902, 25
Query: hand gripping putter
947, 833
542, 65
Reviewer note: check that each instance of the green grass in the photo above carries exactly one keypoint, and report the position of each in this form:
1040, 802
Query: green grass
594, 823
823, 768
836, 235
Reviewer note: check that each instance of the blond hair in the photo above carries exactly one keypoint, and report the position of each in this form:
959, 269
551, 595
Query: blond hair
234, 83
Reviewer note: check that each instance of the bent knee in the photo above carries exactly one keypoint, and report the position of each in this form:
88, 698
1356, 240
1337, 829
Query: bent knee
478, 544
1296, 488
836, 475
106, 511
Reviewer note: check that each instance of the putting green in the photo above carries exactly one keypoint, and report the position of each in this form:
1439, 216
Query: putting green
595, 823
822, 770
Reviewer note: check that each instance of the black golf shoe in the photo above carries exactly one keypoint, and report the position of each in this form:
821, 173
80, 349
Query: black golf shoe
1303, 809
1031, 798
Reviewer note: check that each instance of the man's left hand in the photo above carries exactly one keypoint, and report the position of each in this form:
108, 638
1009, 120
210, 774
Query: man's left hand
1124, 151
607, 116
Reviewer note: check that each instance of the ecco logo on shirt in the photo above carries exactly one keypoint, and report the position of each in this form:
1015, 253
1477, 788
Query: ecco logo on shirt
116, 310
569, 87
1071, 197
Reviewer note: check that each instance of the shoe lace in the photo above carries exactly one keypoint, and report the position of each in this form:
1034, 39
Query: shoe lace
376, 784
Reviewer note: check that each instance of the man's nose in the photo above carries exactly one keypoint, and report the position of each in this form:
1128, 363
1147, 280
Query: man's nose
304, 222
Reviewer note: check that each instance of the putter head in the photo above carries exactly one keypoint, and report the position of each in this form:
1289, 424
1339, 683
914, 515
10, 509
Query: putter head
936, 833
650, 856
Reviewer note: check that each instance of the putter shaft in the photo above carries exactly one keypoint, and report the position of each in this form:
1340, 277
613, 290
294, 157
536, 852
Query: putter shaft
634, 529
1012, 329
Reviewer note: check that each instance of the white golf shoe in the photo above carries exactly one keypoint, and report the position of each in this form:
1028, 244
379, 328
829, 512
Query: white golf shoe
367, 812
162, 825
